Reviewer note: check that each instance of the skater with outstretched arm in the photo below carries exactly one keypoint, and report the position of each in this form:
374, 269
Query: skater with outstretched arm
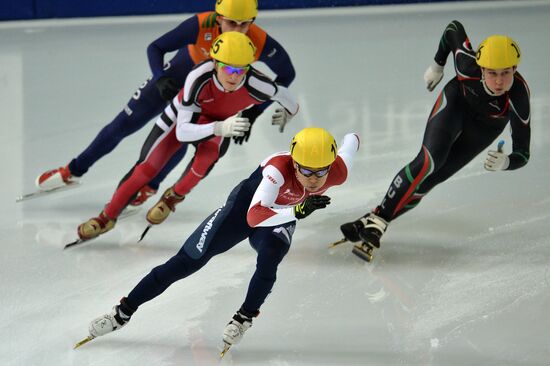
192, 40
204, 112
471, 111
263, 209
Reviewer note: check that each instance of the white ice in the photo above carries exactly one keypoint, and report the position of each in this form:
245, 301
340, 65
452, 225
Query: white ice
463, 279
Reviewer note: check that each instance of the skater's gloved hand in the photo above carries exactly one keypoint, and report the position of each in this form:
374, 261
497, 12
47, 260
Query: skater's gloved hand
251, 114
309, 205
167, 87
433, 76
496, 160
280, 118
244, 138
232, 126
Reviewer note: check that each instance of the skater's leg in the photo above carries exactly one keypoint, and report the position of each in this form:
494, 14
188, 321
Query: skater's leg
219, 232
206, 156
145, 104
272, 244
141, 108
444, 126
144, 171
172, 163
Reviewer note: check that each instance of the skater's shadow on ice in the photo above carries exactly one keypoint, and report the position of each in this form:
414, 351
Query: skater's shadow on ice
171, 352
61, 206
419, 254
309, 354
415, 241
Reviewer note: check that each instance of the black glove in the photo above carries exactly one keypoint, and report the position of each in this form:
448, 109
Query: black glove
309, 205
251, 114
168, 87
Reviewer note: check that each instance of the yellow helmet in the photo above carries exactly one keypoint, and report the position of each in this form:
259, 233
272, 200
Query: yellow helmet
498, 52
313, 147
233, 48
239, 10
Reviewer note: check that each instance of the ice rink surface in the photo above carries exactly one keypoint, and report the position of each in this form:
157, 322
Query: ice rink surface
463, 279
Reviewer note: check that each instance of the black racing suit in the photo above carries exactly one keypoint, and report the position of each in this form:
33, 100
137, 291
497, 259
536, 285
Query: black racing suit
464, 121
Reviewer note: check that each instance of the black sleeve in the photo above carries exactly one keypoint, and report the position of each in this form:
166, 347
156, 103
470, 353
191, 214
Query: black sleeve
196, 80
254, 112
520, 123
260, 86
179, 37
453, 38
278, 60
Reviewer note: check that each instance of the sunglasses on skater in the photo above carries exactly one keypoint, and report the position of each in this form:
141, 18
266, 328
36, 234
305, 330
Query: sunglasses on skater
319, 173
229, 70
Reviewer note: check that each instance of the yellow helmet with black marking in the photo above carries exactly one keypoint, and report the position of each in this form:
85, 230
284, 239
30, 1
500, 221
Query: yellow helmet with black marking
233, 48
238, 10
498, 52
313, 147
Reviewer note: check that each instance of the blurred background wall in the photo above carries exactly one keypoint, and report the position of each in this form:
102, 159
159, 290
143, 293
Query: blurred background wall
43, 9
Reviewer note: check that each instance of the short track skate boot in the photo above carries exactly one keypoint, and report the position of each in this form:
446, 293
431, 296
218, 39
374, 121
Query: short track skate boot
371, 228
108, 323
95, 226
143, 195
351, 230
55, 178
241, 322
159, 212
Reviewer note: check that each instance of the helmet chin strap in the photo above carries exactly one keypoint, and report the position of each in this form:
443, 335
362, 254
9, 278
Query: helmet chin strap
489, 91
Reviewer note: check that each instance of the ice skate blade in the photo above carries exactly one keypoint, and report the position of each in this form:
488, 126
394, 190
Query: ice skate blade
145, 232
124, 215
41, 193
341, 241
365, 255
77, 242
226, 348
84, 341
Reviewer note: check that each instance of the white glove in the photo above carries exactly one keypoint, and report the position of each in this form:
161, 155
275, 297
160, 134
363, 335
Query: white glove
280, 118
232, 126
433, 76
497, 160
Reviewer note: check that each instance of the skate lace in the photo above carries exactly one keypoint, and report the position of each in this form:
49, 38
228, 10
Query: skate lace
170, 198
242, 322
66, 174
102, 220
120, 320
238, 329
